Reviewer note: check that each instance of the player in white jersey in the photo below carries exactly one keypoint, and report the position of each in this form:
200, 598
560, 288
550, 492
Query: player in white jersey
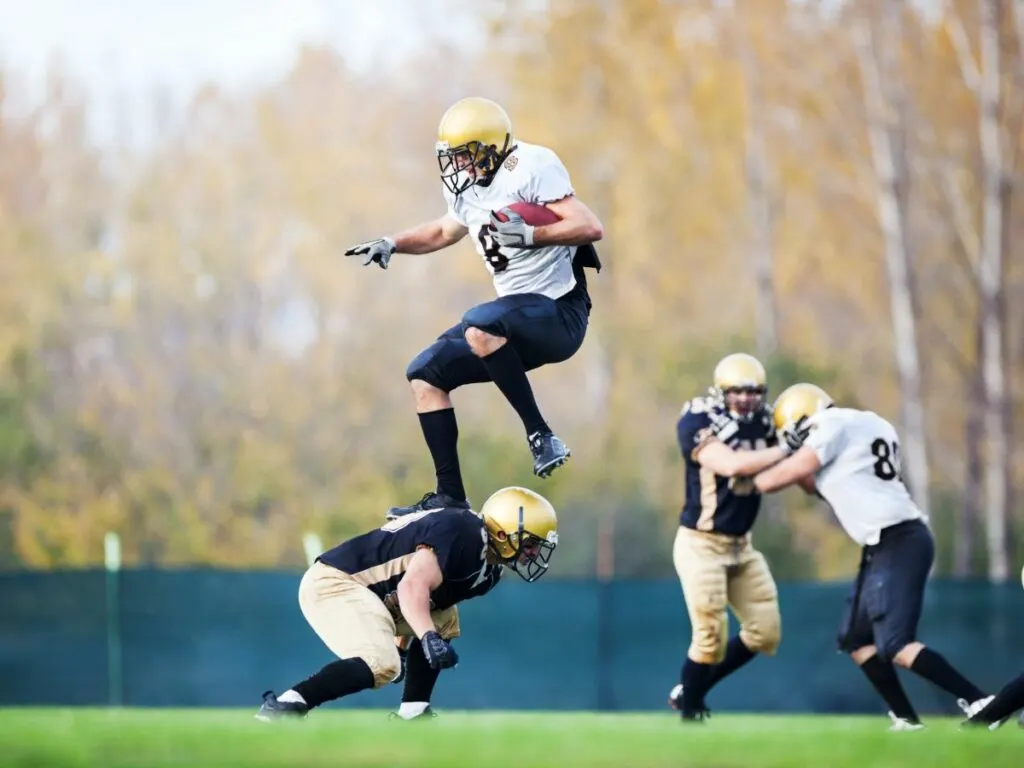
543, 307
851, 459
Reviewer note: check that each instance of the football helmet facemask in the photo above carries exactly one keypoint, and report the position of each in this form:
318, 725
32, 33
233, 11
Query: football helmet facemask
797, 402
522, 530
740, 385
473, 139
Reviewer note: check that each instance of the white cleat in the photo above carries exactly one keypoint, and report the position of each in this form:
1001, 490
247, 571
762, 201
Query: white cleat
902, 724
675, 697
972, 708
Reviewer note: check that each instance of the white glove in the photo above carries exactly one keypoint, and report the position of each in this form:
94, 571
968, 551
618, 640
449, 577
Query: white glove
379, 251
514, 233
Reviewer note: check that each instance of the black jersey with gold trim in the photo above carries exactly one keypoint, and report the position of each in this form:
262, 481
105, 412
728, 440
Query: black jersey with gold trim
726, 505
378, 559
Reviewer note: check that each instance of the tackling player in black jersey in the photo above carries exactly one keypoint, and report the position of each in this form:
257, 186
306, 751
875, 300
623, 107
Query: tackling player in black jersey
725, 439
404, 580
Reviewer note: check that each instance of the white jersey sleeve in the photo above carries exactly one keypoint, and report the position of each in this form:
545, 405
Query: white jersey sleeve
860, 476
548, 179
827, 438
453, 210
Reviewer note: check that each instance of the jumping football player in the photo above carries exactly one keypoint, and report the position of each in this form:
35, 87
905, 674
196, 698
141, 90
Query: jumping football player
543, 307
404, 579
851, 459
725, 439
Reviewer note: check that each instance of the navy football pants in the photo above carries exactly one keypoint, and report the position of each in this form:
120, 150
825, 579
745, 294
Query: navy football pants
887, 598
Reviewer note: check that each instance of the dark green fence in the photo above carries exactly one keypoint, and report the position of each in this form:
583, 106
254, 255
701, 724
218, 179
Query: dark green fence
219, 638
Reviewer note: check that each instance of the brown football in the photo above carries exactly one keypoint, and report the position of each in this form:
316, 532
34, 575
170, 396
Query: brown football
533, 214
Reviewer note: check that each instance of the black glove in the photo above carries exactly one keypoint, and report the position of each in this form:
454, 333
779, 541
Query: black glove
439, 653
379, 251
794, 436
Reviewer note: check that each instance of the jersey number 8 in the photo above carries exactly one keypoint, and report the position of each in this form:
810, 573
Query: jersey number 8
887, 466
492, 251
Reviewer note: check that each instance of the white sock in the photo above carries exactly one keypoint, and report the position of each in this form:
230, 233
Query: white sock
291, 697
411, 709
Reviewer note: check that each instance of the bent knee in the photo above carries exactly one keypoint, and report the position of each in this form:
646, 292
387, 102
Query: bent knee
707, 645
763, 632
900, 651
482, 342
386, 667
475, 336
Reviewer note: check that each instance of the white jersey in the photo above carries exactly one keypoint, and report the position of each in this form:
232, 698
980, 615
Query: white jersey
531, 174
860, 477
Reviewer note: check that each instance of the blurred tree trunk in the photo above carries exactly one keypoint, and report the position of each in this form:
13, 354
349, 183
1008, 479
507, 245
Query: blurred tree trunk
884, 98
991, 281
759, 199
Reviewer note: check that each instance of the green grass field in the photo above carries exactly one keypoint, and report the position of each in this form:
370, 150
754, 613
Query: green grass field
139, 738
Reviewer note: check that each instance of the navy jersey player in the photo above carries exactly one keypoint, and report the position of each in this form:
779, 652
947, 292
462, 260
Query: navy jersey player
405, 579
724, 439
542, 310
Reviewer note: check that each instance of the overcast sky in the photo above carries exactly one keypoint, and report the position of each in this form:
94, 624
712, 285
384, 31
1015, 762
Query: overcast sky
123, 49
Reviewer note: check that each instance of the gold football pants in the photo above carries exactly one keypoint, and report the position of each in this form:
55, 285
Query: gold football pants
354, 623
716, 571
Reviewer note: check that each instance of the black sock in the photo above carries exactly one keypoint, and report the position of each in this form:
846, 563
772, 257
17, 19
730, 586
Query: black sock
419, 677
694, 677
1006, 702
441, 431
933, 667
882, 675
507, 372
736, 655
337, 679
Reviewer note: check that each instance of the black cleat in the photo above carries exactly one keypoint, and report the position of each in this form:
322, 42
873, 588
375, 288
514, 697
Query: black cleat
696, 716
549, 453
426, 713
272, 709
430, 500
675, 701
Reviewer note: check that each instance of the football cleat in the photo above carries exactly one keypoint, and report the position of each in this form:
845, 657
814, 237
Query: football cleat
974, 707
430, 500
549, 453
272, 709
675, 701
902, 724
976, 715
427, 713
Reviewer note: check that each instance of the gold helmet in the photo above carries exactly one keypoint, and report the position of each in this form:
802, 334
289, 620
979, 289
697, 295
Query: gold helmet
473, 139
738, 375
797, 402
522, 529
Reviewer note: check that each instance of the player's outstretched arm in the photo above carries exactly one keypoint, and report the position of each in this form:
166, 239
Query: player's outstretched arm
430, 236
422, 576
578, 226
725, 462
792, 471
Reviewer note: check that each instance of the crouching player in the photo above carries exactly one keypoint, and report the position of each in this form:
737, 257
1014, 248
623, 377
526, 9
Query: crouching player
406, 578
